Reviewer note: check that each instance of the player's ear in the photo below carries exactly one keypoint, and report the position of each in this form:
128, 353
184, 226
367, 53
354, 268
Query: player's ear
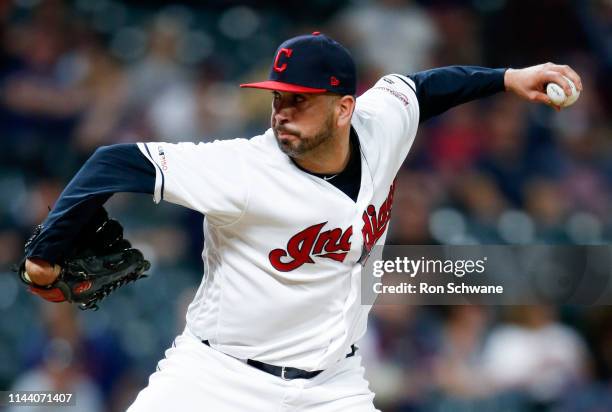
345, 106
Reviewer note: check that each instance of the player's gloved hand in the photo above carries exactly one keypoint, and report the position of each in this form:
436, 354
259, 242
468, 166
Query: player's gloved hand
530, 82
101, 261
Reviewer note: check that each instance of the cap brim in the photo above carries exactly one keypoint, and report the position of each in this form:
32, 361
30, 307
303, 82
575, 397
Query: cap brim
282, 87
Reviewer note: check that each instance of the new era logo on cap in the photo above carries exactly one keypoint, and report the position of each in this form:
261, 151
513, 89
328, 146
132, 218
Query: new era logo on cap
311, 63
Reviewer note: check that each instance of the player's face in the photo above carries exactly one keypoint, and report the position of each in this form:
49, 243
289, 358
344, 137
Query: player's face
302, 122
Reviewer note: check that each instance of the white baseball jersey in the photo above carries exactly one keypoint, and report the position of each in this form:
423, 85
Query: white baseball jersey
282, 275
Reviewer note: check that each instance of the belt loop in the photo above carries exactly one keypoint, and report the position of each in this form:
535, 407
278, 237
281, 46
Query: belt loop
283, 374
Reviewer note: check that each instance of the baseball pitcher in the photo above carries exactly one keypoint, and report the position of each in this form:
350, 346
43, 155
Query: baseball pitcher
289, 218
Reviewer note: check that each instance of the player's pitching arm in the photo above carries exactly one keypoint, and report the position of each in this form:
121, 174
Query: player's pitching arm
111, 169
442, 88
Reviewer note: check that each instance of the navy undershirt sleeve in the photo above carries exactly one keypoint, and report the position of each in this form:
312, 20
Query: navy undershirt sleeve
440, 89
111, 169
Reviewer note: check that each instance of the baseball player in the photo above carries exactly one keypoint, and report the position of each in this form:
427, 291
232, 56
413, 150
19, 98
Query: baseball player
289, 218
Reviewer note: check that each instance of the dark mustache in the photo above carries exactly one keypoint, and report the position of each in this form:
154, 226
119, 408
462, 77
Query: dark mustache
283, 129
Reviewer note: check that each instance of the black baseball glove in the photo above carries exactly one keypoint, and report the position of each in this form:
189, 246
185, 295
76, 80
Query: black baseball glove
100, 262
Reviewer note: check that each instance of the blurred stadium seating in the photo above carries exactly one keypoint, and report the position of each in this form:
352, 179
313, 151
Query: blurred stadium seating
75, 75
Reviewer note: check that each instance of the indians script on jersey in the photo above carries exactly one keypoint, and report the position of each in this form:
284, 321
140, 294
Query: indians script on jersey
334, 243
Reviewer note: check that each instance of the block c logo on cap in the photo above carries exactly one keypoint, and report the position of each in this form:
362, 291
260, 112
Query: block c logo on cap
283, 67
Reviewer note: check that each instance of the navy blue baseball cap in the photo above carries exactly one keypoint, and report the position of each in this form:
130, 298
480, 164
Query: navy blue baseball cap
312, 63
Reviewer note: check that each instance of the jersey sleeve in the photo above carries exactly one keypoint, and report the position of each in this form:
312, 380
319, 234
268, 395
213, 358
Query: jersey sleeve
391, 110
111, 169
442, 88
206, 177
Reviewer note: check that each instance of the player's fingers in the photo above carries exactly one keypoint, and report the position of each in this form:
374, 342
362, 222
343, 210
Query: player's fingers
40, 271
552, 76
572, 75
540, 98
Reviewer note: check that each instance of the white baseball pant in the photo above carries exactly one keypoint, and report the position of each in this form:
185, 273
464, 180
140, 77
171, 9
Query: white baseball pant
195, 377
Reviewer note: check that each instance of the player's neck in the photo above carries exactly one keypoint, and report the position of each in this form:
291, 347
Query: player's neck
330, 157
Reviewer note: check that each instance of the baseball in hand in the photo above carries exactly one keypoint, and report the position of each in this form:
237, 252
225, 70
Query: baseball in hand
557, 95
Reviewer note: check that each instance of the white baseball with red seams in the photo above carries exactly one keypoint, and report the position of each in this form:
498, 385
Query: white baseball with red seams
557, 94
282, 276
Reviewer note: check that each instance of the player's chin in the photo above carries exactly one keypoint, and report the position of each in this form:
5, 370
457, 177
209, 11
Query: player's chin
291, 147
